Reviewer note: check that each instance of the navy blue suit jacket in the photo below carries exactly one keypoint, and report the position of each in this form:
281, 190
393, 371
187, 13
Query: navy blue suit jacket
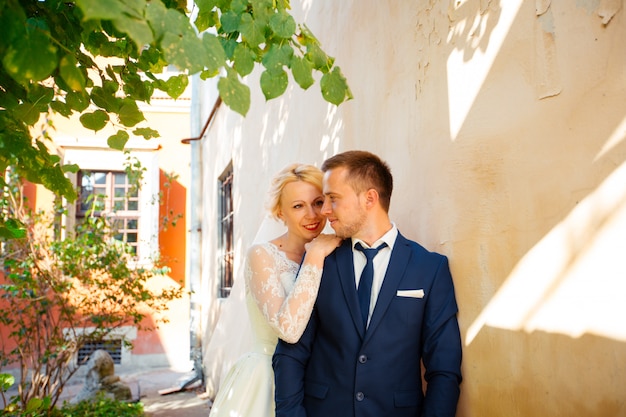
340, 369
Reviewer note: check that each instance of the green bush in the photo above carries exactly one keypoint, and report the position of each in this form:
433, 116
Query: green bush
99, 407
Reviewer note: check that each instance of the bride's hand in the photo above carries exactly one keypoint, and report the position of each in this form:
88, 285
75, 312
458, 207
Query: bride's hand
323, 244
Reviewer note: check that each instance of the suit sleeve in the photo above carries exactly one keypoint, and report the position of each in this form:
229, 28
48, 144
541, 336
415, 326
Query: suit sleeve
289, 363
441, 346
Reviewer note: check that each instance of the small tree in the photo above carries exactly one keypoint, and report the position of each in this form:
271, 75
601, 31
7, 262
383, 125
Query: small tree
59, 295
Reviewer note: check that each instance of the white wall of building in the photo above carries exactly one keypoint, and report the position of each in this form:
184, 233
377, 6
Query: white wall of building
504, 123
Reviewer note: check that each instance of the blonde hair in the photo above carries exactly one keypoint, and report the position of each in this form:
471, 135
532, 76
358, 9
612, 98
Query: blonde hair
291, 173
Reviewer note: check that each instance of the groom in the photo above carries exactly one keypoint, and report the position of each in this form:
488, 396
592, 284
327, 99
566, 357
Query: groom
362, 351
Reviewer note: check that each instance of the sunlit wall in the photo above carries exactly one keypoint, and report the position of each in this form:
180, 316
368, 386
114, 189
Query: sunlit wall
504, 124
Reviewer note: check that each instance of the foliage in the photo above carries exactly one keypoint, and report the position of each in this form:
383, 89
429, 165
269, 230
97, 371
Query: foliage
59, 294
99, 58
101, 406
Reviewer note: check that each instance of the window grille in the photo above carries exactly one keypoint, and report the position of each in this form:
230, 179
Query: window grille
225, 227
112, 346
110, 193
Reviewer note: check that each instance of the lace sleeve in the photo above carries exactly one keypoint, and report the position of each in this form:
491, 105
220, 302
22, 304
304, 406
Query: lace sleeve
286, 312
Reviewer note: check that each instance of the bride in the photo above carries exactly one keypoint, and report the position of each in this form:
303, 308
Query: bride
282, 278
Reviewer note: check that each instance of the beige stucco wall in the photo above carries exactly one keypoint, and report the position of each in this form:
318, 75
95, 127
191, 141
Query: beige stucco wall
504, 123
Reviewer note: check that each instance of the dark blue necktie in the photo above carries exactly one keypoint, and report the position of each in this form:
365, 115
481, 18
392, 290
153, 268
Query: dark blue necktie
367, 276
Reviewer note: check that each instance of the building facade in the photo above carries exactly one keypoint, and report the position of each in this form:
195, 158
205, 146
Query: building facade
504, 124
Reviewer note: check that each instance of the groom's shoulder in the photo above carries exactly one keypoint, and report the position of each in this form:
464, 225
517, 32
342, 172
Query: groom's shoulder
417, 248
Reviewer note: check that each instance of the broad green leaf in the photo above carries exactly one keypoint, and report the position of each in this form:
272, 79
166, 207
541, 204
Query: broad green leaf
180, 44
62, 108
206, 19
176, 85
318, 58
229, 46
235, 94
105, 99
53, 178
118, 140
306, 37
30, 58
263, 10
10, 229
216, 56
77, 101
230, 21
283, 25
205, 75
73, 168
334, 87
71, 74
110, 86
98, 9
283, 5
146, 132
137, 28
33, 405
40, 96
129, 113
205, 5
137, 88
251, 30
273, 83
27, 113
277, 57
37, 102
239, 6
11, 24
302, 71
244, 59
95, 121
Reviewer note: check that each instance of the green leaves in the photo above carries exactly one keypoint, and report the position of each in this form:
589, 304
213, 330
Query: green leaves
118, 140
235, 94
99, 58
334, 87
283, 25
95, 121
12, 229
71, 74
31, 56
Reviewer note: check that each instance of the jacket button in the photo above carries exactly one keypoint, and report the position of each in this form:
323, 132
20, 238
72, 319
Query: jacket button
360, 396
362, 358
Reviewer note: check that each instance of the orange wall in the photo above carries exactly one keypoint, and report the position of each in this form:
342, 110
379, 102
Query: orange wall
173, 238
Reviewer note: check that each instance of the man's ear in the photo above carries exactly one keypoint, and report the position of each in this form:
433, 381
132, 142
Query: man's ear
371, 198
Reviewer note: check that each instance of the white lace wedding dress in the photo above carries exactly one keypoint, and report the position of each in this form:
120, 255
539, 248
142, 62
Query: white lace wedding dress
279, 305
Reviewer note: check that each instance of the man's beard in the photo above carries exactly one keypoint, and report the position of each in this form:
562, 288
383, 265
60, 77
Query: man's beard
346, 230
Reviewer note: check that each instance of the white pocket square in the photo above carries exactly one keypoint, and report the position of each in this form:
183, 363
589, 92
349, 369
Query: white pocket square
411, 293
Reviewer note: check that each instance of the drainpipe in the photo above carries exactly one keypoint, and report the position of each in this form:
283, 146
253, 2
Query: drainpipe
195, 232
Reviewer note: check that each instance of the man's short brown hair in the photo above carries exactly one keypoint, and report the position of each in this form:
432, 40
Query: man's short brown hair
364, 171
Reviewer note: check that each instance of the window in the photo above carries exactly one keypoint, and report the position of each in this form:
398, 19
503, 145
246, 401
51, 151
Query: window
110, 193
112, 346
225, 227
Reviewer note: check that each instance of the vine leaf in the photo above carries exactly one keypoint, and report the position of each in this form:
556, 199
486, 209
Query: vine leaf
235, 94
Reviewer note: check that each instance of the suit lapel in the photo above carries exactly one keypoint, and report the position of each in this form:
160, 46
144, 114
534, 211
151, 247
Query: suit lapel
395, 271
345, 265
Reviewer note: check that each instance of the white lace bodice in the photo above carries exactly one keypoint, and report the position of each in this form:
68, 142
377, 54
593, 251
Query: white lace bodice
279, 303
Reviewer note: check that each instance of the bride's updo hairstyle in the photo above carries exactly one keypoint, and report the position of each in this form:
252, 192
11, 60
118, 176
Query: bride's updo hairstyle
291, 173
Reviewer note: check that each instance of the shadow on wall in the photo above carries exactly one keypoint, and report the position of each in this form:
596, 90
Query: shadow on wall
540, 136
572, 281
521, 384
